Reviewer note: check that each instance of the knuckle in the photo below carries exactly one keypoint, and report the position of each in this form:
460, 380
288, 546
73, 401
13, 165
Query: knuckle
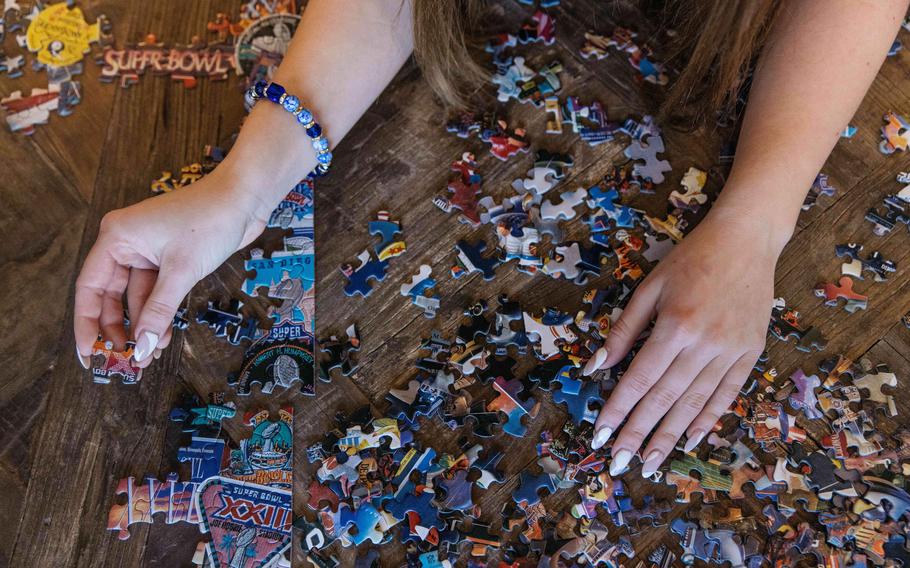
158, 308
110, 222
663, 398
664, 439
694, 401
633, 434
726, 392
636, 382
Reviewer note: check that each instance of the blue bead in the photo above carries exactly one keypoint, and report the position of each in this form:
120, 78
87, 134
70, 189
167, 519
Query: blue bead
273, 92
304, 116
314, 131
321, 144
291, 103
325, 158
259, 89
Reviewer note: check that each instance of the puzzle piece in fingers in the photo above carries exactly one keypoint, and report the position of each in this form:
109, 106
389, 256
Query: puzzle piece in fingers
647, 149
107, 362
842, 290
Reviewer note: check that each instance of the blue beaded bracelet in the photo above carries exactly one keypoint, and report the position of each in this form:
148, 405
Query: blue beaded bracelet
277, 94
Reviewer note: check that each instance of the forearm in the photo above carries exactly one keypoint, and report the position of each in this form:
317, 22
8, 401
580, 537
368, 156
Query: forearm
818, 63
344, 53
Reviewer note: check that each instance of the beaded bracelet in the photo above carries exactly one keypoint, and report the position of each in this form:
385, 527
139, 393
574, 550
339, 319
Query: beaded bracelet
277, 94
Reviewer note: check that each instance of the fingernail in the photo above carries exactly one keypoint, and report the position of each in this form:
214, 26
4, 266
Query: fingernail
620, 461
595, 362
83, 360
601, 437
652, 462
157, 353
145, 346
694, 440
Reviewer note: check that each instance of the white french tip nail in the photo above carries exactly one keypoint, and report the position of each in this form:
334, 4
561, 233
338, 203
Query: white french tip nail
601, 437
145, 346
693, 441
83, 360
595, 362
651, 463
620, 461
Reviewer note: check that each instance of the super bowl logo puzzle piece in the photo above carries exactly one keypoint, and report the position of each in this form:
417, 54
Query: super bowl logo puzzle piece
107, 363
250, 524
281, 357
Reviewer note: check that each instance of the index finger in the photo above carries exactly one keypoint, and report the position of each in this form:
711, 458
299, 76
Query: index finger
94, 278
649, 364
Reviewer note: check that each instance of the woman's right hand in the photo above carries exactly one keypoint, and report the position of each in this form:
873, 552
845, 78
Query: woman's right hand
155, 251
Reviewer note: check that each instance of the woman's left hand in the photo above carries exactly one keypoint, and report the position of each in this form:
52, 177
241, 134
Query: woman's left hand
711, 297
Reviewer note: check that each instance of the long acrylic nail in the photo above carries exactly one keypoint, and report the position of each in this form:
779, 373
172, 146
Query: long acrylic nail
620, 461
83, 360
601, 437
595, 362
693, 440
652, 462
145, 346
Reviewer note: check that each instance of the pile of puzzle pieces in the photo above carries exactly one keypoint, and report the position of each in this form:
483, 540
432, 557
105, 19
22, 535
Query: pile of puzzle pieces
839, 498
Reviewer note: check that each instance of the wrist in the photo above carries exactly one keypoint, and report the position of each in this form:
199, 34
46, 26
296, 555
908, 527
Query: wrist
764, 233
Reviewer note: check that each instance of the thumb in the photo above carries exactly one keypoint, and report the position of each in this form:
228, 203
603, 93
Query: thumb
173, 284
633, 320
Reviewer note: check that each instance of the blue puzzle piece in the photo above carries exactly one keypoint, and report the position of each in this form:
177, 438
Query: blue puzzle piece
422, 504
411, 462
271, 271
578, 396
526, 494
359, 278
608, 201
365, 518
509, 403
458, 491
386, 230
204, 455
472, 260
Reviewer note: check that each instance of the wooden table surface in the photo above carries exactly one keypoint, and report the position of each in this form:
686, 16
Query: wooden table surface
66, 441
